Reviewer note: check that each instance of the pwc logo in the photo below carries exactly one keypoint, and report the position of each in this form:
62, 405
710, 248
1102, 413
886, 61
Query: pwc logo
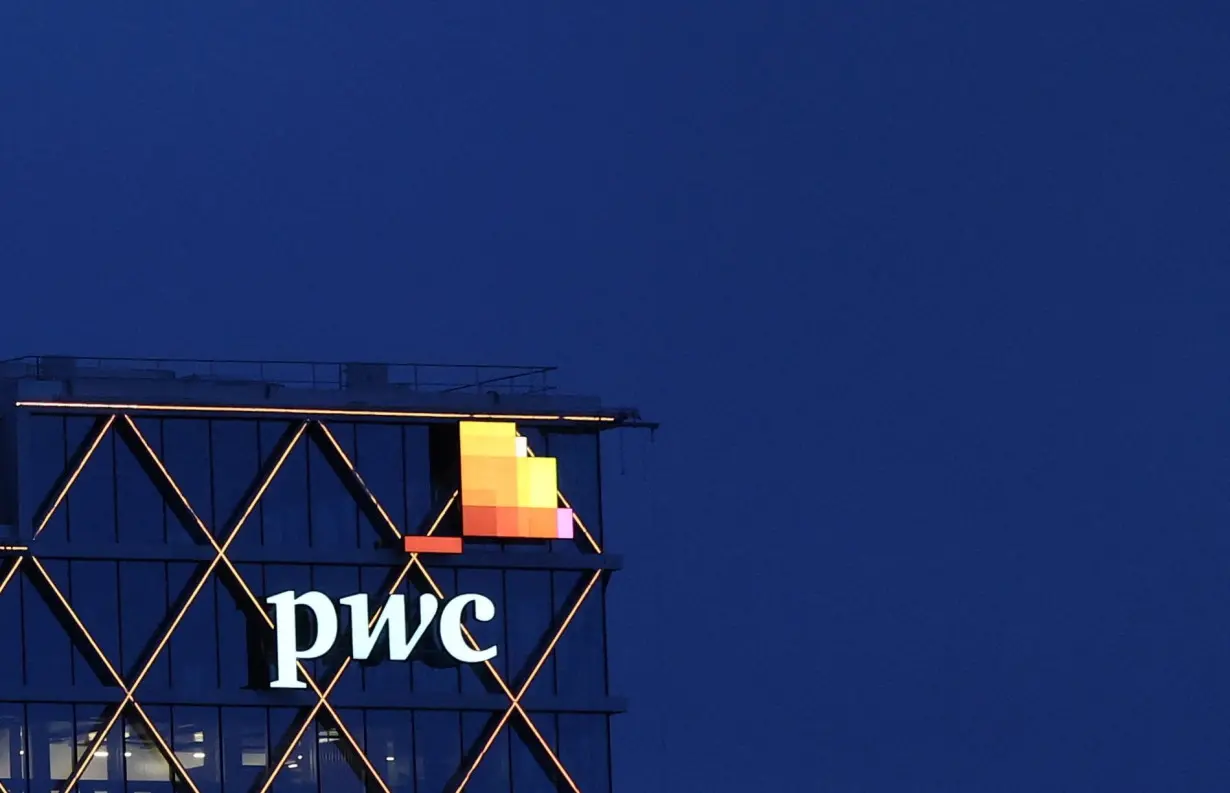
505, 493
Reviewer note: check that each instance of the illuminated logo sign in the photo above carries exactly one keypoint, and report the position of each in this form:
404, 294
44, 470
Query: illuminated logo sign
505, 493
363, 639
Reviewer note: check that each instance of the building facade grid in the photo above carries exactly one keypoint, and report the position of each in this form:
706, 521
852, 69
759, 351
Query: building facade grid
96, 573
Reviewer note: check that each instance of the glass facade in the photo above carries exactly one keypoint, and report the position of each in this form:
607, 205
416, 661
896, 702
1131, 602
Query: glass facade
137, 659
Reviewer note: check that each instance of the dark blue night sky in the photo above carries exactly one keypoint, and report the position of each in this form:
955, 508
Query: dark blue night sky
932, 299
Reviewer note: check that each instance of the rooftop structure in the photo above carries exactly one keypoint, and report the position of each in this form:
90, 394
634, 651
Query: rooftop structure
296, 384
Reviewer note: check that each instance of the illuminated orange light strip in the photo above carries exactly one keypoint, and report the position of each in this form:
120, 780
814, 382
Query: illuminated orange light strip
221, 557
311, 411
85, 458
9, 575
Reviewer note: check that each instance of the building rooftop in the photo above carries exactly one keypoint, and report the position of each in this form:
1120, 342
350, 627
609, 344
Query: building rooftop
498, 388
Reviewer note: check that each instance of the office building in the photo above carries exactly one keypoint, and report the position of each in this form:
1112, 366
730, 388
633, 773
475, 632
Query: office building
260, 576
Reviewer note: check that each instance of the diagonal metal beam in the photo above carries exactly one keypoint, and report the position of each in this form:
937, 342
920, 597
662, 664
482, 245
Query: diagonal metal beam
12, 572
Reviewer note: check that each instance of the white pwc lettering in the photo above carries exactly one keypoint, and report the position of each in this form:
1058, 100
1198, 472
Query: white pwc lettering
363, 640
287, 636
392, 619
450, 628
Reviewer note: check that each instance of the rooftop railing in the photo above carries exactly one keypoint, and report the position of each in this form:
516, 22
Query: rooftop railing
422, 377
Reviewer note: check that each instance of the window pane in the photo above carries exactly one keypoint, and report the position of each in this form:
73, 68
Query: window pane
13, 747
585, 750
390, 747
340, 769
143, 758
91, 499
238, 634
139, 503
50, 745
581, 651
245, 746
186, 456
422, 500
10, 622
143, 604
107, 762
49, 653
95, 598
437, 747
379, 460
528, 617
47, 463
198, 746
298, 773
284, 506
491, 774
194, 646
236, 463
334, 510
529, 774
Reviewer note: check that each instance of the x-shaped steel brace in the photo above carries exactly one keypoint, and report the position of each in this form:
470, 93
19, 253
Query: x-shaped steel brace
193, 520
253, 601
99, 661
129, 691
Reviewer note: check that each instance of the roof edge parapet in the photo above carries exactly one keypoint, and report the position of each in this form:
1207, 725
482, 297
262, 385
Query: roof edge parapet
302, 387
